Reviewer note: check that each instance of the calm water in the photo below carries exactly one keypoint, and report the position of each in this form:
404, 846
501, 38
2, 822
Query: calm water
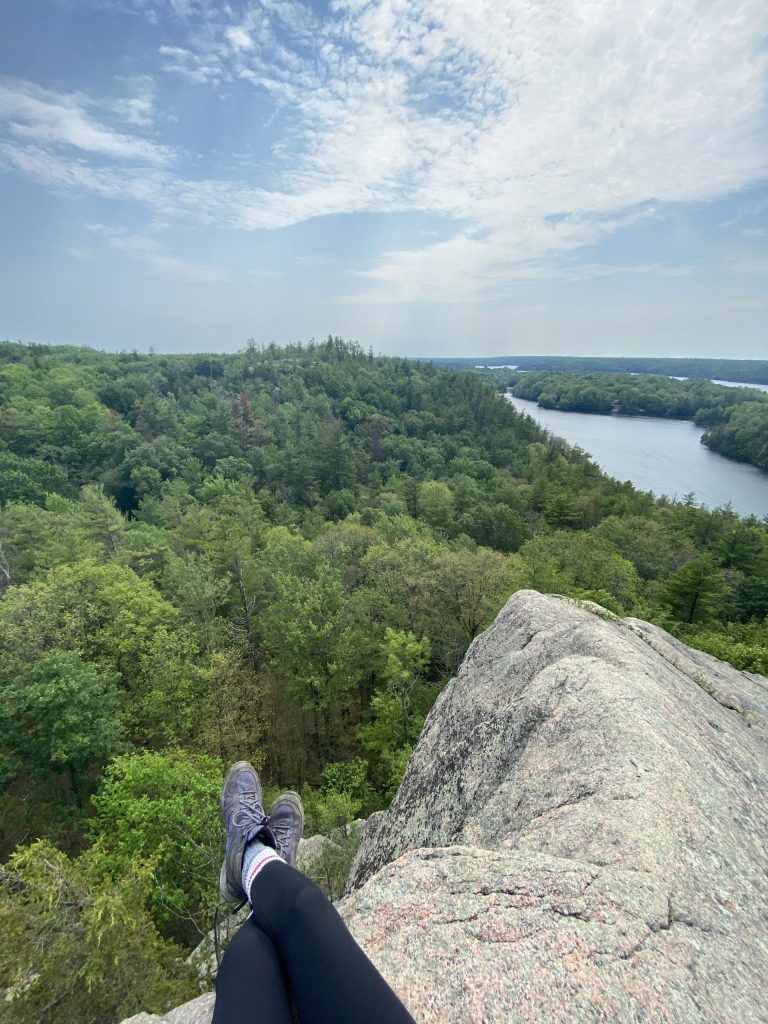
733, 384
726, 383
663, 456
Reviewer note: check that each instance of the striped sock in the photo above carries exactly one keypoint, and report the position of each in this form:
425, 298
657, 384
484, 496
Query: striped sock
255, 857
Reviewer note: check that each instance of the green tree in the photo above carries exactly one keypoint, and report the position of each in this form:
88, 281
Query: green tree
561, 510
100, 520
5, 569
105, 611
347, 778
566, 561
381, 737
435, 504
198, 590
163, 806
75, 946
498, 527
60, 714
752, 600
29, 480
112, 617
742, 654
310, 635
649, 545
406, 658
36, 538
234, 714
465, 591
694, 591
170, 687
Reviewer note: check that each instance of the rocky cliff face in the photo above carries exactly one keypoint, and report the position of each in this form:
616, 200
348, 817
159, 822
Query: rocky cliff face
580, 835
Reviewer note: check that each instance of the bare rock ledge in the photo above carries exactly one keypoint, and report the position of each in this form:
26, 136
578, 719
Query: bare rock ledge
581, 834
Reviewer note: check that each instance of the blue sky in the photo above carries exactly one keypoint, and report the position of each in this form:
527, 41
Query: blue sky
429, 178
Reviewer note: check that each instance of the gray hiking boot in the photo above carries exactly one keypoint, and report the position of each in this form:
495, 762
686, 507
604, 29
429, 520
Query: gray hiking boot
286, 822
244, 819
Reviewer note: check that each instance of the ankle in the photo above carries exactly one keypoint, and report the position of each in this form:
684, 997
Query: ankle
256, 856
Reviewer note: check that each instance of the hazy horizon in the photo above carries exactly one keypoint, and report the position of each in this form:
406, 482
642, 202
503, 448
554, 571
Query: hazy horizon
429, 179
479, 357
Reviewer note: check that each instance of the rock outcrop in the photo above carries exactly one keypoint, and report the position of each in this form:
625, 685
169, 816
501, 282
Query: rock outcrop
198, 1011
580, 835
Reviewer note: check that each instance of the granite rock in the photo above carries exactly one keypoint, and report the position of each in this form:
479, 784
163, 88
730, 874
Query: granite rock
580, 834
197, 1011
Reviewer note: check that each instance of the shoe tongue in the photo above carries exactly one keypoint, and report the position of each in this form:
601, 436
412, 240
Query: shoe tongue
253, 832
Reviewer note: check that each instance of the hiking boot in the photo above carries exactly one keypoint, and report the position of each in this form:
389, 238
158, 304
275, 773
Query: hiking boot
244, 819
286, 822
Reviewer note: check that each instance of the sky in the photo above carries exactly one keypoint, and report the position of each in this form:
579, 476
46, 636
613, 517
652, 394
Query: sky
427, 177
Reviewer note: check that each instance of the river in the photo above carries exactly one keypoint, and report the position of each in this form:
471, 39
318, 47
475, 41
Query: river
659, 455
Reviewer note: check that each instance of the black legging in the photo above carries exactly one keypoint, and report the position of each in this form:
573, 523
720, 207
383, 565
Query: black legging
296, 946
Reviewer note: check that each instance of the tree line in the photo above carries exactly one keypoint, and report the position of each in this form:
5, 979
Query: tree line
745, 371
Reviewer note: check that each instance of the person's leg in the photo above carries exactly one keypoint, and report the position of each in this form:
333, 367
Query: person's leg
250, 984
330, 978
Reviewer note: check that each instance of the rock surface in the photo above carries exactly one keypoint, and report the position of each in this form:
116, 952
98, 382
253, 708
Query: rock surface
603, 794
198, 1011
580, 835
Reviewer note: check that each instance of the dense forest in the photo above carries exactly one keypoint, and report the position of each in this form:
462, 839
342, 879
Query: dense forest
744, 371
280, 554
735, 420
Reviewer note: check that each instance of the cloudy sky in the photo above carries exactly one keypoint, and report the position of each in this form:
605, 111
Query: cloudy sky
425, 176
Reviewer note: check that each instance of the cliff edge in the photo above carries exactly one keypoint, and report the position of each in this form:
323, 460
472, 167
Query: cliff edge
581, 834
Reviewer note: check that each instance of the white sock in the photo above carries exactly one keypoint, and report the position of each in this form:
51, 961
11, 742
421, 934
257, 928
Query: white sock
255, 857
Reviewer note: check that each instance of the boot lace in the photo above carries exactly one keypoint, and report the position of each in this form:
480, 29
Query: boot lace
249, 814
281, 830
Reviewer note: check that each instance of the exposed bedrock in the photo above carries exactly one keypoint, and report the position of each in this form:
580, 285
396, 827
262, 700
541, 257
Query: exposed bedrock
588, 811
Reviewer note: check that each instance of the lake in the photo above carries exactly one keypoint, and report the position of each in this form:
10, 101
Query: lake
724, 383
659, 455
733, 384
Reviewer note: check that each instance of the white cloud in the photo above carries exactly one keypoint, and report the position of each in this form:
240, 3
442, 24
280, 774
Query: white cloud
60, 173
177, 60
150, 250
153, 252
239, 38
138, 108
536, 128
62, 120
185, 270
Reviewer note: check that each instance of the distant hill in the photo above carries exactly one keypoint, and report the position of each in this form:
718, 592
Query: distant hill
746, 371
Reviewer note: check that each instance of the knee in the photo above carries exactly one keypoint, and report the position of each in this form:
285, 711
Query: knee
244, 946
293, 905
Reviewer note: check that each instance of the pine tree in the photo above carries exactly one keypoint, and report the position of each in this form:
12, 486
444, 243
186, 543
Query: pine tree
695, 590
